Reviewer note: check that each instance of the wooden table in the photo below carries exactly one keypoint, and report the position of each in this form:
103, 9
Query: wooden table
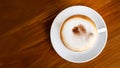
25, 33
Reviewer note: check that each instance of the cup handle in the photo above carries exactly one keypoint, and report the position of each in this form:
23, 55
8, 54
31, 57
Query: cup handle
101, 30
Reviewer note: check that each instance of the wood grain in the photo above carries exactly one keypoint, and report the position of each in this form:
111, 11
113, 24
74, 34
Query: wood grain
25, 28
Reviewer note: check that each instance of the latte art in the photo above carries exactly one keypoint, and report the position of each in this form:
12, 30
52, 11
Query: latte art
78, 33
81, 31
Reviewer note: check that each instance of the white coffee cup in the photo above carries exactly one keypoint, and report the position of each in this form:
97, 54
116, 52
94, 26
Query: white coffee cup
73, 56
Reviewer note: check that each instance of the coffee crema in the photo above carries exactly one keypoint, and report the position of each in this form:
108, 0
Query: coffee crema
78, 33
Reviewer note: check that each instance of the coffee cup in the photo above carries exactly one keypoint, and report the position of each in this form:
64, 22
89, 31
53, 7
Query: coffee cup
78, 33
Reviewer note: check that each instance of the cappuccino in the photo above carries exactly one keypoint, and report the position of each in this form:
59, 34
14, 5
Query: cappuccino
78, 33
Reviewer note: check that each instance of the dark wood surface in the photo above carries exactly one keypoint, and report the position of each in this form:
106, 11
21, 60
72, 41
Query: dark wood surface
25, 33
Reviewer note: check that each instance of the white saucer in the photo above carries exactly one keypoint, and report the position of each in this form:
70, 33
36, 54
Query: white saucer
78, 57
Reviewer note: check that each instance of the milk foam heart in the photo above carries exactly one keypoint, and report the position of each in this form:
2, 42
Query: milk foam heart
78, 33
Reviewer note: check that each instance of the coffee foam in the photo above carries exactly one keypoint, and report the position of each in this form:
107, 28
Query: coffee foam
81, 41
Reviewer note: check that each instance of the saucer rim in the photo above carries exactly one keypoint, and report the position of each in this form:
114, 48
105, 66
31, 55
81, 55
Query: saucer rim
106, 33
